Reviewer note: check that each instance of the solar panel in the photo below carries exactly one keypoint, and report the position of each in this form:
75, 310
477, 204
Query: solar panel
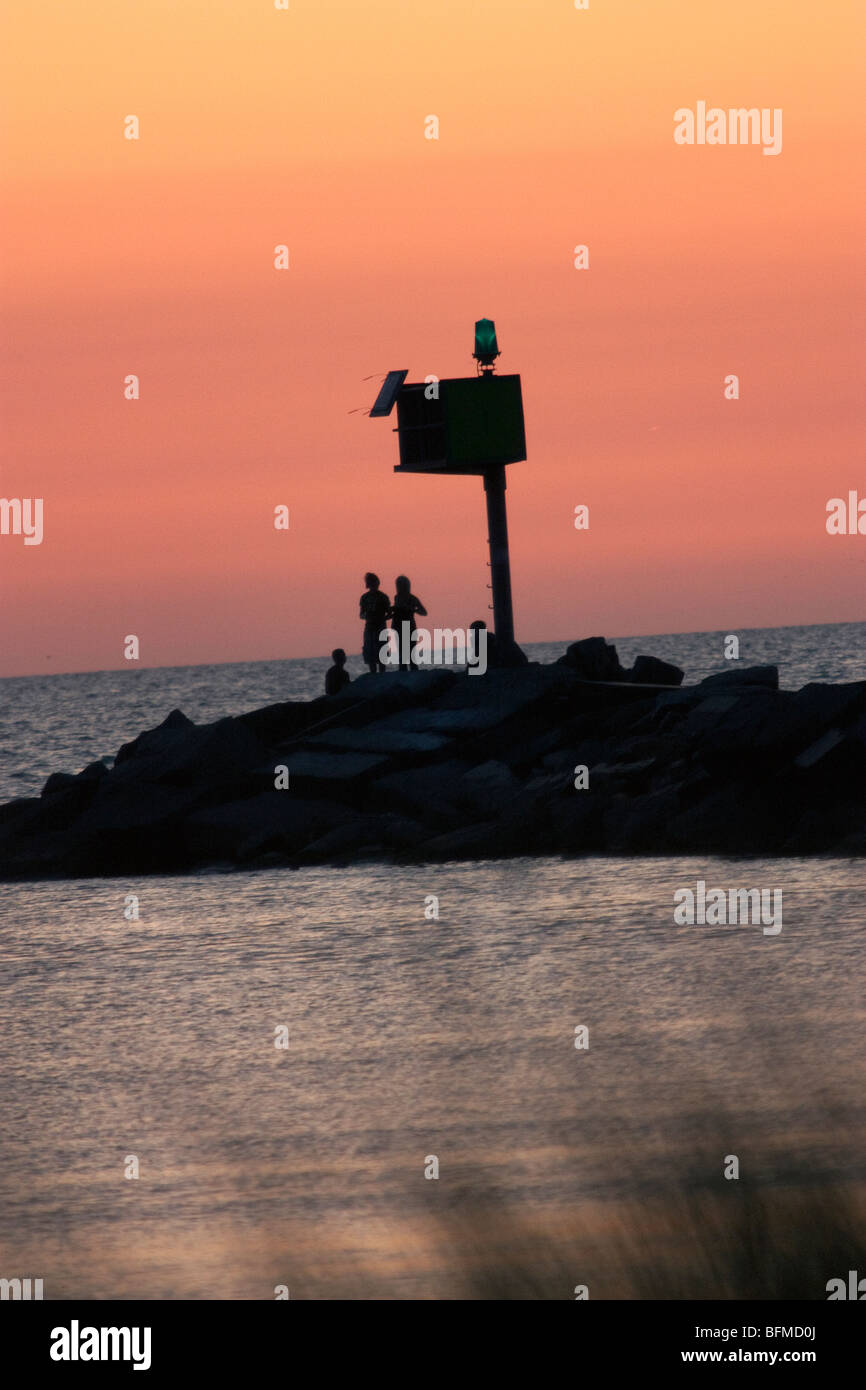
388, 394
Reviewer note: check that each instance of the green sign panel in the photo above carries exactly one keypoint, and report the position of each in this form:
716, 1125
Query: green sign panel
475, 423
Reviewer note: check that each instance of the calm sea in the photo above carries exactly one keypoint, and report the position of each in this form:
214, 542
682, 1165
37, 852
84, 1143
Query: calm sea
411, 1039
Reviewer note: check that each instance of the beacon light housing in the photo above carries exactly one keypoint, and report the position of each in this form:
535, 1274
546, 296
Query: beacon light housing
486, 346
460, 425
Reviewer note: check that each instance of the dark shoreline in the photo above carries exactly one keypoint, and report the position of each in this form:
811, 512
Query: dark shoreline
436, 765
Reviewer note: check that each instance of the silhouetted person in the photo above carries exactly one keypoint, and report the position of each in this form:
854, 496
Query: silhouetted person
374, 611
492, 649
338, 676
401, 613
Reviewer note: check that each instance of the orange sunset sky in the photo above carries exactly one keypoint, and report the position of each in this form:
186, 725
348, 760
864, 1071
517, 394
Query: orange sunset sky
306, 127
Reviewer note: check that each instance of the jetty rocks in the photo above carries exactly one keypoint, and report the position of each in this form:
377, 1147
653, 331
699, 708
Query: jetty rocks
572, 758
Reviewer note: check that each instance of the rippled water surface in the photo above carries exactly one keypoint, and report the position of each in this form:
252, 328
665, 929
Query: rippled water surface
410, 1038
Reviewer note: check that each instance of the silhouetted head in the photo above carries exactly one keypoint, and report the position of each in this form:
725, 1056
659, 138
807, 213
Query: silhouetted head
371, 580
478, 626
338, 656
402, 585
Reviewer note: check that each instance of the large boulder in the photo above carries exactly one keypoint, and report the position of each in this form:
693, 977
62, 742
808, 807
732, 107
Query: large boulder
726, 726
594, 659
65, 796
484, 840
374, 738
766, 676
738, 816
818, 706
24, 810
426, 794
834, 766
130, 827
824, 828
800, 718
169, 734
487, 789
182, 754
575, 823
362, 837
274, 724
640, 825
420, 684
274, 820
63, 781
339, 775
651, 670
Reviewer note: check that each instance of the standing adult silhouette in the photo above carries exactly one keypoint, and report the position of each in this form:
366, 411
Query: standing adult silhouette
402, 614
375, 607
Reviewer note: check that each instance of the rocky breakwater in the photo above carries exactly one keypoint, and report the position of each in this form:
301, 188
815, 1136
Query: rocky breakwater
575, 757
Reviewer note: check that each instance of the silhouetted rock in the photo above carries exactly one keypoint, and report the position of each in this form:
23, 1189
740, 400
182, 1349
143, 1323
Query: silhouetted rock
59, 782
341, 775
94, 772
594, 659
186, 754
274, 724
66, 781
433, 765
640, 825
274, 820
167, 734
65, 796
130, 827
745, 675
818, 706
375, 738
19, 812
475, 841
364, 837
427, 794
487, 789
821, 749
649, 670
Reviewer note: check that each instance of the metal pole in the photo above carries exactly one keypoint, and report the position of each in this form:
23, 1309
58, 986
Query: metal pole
500, 568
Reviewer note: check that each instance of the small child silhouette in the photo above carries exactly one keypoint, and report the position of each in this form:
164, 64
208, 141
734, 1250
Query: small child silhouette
374, 610
337, 677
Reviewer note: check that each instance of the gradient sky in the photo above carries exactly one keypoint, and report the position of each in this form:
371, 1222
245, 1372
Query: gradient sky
306, 127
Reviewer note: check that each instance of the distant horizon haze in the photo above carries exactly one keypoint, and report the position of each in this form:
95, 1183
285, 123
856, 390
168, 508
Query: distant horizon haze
356, 665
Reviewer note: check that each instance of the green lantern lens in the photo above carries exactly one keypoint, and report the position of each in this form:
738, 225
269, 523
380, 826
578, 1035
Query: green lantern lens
486, 346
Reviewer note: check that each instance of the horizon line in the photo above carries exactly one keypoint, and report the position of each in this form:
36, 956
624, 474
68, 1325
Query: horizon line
325, 656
